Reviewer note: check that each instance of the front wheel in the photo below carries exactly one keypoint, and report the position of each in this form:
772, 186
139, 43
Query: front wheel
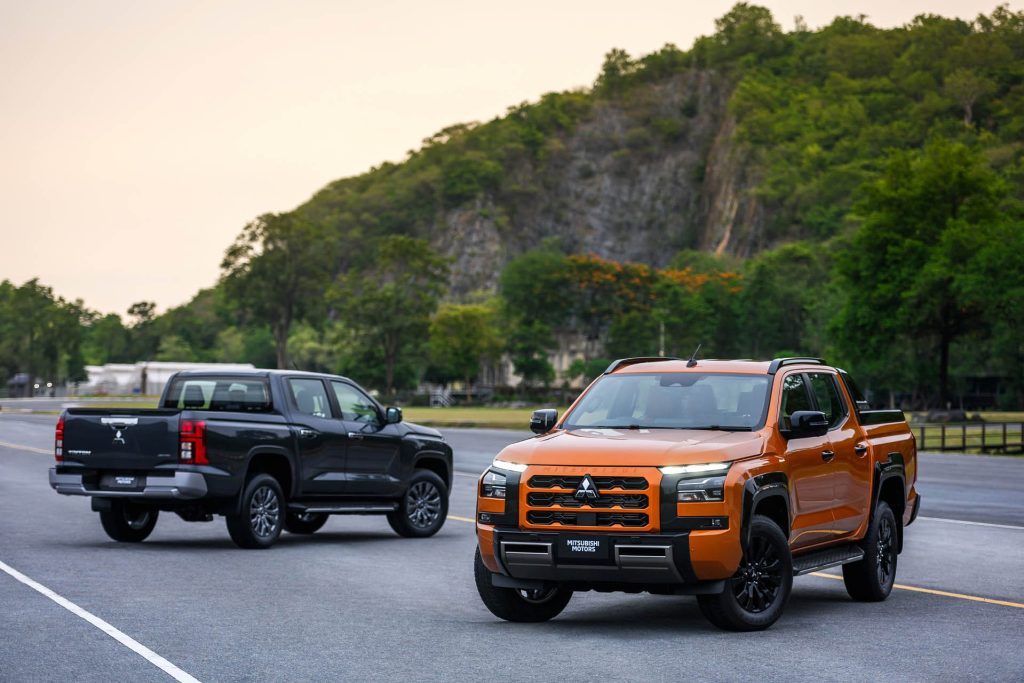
261, 516
755, 596
128, 522
872, 579
512, 604
423, 508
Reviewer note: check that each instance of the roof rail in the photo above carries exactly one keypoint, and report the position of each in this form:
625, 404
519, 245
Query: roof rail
774, 366
623, 362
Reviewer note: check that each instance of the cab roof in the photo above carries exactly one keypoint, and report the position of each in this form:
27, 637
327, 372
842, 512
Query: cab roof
739, 366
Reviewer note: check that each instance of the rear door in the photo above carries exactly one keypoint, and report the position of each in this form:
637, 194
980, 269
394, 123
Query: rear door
321, 437
851, 470
811, 469
373, 450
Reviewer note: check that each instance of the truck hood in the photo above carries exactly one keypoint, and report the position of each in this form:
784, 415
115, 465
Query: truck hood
634, 447
413, 428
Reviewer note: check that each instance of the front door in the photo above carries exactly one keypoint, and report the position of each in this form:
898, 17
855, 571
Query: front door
373, 463
322, 438
852, 471
811, 470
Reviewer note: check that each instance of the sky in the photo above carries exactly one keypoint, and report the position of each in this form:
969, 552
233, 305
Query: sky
138, 138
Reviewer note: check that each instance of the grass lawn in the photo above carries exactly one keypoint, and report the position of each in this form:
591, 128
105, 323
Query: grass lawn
498, 418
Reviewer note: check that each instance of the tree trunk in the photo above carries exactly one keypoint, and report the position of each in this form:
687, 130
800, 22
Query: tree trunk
944, 341
469, 391
280, 331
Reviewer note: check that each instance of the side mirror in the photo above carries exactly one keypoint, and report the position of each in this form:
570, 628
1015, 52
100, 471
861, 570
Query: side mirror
542, 421
392, 415
804, 423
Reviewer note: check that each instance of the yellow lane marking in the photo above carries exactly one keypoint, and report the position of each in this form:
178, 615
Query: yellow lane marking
931, 591
462, 519
30, 449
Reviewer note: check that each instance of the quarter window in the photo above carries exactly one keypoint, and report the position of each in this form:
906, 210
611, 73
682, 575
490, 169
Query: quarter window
310, 397
829, 401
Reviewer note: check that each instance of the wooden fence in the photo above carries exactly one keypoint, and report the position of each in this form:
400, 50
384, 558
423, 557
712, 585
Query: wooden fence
983, 437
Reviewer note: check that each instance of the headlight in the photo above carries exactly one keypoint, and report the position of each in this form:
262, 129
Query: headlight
696, 469
703, 490
493, 485
699, 483
510, 466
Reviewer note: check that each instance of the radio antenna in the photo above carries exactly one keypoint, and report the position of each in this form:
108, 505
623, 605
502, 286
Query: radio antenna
692, 363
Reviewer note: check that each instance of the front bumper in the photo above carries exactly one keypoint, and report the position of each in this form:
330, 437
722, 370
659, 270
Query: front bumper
180, 486
641, 560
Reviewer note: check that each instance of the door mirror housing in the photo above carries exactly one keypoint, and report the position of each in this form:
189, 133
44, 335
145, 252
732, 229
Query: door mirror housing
805, 423
542, 421
392, 415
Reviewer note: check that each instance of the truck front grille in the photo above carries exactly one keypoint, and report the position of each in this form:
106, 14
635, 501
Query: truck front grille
626, 498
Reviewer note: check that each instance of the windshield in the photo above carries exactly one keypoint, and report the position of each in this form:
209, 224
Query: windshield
677, 400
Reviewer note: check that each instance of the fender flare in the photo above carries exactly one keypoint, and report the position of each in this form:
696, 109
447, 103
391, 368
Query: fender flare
759, 488
268, 450
892, 468
437, 456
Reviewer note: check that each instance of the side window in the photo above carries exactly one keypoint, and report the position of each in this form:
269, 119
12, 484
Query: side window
794, 397
355, 405
829, 402
310, 397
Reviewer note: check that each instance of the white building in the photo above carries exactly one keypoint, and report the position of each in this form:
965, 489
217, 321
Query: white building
147, 377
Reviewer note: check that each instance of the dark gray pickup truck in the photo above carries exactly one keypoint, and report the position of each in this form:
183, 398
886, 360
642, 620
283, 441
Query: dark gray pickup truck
267, 449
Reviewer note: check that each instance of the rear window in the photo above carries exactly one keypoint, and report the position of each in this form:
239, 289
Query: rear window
219, 393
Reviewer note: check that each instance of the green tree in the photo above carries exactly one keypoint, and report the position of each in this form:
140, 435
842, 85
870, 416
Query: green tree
388, 301
967, 87
276, 272
463, 337
899, 270
175, 349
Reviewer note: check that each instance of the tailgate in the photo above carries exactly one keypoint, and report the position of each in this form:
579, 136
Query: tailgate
121, 439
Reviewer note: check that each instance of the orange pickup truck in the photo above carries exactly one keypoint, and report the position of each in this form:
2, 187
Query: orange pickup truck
720, 479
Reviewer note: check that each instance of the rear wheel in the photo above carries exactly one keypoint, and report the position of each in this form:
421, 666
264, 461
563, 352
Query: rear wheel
755, 596
512, 604
304, 522
128, 522
423, 508
872, 579
261, 518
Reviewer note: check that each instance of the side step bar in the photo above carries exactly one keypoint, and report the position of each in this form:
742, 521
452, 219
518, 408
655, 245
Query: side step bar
823, 559
343, 508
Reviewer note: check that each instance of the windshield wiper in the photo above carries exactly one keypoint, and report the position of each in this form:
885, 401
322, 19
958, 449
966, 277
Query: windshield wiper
724, 428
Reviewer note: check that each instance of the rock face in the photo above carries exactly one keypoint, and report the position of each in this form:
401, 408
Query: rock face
638, 179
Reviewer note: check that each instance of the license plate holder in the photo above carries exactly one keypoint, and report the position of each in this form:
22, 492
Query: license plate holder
124, 482
584, 548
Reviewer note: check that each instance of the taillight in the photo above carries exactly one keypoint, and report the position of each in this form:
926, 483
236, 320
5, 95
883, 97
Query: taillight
58, 441
192, 443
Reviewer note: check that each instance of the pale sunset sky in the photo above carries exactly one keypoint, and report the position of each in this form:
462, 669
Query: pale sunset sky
137, 138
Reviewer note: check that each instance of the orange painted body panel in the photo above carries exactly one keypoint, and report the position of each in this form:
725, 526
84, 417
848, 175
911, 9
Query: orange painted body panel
830, 500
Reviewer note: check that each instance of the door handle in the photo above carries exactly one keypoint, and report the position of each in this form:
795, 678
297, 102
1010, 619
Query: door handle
355, 435
305, 433
860, 449
827, 455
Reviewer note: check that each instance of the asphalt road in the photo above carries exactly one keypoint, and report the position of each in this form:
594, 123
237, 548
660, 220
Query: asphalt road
356, 602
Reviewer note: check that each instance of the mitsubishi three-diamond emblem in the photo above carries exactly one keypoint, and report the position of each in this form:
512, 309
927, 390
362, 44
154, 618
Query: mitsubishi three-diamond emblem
587, 489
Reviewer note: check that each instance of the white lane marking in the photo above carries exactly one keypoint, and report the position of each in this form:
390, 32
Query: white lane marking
964, 521
467, 474
133, 645
30, 449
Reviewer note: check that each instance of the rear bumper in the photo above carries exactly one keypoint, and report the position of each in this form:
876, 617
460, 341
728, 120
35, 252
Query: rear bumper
180, 486
638, 560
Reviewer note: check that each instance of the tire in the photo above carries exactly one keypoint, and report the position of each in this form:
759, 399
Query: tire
871, 579
304, 522
424, 507
261, 519
511, 604
128, 522
755, 596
